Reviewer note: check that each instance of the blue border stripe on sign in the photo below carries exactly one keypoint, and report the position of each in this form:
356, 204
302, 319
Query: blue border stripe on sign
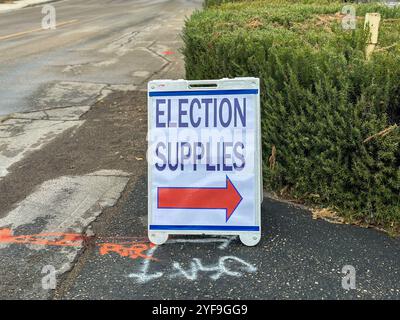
201, 92
189, 227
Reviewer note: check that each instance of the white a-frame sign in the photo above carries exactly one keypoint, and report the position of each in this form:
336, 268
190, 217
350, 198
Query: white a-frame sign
204, 158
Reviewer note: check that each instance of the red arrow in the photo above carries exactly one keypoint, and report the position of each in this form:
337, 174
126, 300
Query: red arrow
227, 198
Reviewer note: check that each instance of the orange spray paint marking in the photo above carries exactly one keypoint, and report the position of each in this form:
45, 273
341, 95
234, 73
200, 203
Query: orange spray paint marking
167, 52
130, 250
56, 239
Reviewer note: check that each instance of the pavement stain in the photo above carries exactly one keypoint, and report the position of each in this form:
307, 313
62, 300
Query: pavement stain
111, 137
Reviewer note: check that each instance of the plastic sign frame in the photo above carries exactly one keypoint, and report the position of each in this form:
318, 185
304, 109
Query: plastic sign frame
166, 197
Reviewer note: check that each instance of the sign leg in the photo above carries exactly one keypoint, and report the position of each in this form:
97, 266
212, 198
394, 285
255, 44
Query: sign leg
158, 237
250, 239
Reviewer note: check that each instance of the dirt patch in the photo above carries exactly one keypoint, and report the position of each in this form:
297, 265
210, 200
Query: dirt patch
254, 23
327, 19
327, 215
112, 137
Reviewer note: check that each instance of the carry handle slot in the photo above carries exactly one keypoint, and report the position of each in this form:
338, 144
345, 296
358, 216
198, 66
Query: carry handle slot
202, 85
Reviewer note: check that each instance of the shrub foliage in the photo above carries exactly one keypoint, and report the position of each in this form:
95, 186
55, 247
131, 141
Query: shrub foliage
321, 99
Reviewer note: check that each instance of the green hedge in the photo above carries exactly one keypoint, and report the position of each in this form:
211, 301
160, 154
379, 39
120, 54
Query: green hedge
320, 97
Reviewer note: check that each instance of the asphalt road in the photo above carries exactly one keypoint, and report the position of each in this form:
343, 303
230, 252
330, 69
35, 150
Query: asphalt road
96, 41
77, 202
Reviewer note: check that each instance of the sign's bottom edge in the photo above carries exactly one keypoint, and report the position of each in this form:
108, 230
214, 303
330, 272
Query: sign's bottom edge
203, 228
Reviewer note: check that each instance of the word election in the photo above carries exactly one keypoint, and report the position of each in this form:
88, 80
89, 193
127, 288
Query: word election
205, 112
217, 140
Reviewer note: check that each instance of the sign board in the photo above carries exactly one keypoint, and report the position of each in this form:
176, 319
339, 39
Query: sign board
204, 158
